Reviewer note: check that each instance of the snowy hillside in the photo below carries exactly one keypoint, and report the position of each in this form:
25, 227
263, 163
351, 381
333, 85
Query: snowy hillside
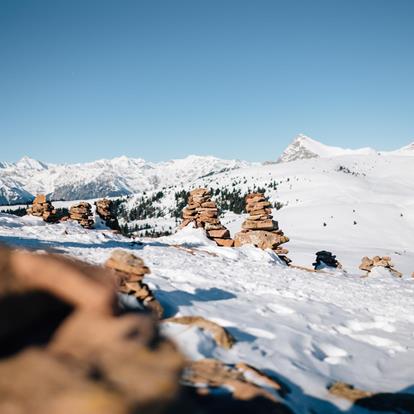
306, 329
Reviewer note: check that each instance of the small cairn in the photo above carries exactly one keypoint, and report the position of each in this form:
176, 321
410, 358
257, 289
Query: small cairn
105, 210
260, 229
324, 258
130, 271
203, 212
43, 208
82, 213
368, 264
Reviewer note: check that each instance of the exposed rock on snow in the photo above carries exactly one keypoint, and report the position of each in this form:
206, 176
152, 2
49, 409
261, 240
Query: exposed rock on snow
220, 335
105, 210
130, 271
324, 258
368, 264
203, 212
43, 208
82, 213
238, 379
259, 228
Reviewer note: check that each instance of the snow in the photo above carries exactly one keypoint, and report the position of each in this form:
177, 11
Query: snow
307, 329
303, 147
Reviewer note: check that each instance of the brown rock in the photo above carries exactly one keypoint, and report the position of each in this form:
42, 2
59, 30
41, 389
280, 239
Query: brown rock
220, 335
126, 262
224, 242
266, 225
261, 239
220, 234
87, 360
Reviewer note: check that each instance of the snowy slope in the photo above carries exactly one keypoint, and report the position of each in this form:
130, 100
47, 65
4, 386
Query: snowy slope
303, 147
305, 329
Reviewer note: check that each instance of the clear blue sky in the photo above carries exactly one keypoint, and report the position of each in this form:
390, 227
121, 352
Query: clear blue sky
88, 79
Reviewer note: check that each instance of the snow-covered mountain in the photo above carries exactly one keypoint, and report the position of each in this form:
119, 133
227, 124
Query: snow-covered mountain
20, 181
303, 147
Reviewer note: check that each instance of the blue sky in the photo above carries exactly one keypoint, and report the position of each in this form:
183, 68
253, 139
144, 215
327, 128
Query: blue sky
88, 79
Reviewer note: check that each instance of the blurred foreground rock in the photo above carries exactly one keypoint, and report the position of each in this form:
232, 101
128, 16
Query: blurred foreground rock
65, 349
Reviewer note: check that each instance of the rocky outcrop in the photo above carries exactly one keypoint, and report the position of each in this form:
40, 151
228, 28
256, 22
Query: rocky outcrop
368, 265
260, 229
324, 258
82, 213
68, 349
129, 271
105, 210
222, 337
203, 212
43, 208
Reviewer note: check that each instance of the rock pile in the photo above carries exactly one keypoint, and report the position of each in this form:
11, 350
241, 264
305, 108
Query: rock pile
203, 212
130, 271
69, 349
43, 208
324, 258
105, 210
260, 229
368, 264
82, 213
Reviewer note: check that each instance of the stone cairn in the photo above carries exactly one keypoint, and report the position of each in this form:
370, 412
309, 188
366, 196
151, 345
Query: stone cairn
130, 271
203, 212
326, 258
105, 210
82, 213
368, 264
43, 208
260, 229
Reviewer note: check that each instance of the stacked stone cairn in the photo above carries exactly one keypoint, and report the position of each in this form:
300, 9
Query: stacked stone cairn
203, 212
43, 208
130, 271
105, 210
368, 265
260, 229
324, 258
82, 213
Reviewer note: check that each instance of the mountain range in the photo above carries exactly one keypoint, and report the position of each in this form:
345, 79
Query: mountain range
21, 181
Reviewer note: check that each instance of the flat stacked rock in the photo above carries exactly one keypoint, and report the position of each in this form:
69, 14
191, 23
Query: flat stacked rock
368, 264
203, 212
105, 210
326, 258
260, 229
43, 208
82, 213
130, 271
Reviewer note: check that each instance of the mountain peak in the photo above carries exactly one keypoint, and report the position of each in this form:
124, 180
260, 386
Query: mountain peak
304, 147
27, 162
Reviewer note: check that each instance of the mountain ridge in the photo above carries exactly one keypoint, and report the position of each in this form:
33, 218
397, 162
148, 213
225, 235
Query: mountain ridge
22, 180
